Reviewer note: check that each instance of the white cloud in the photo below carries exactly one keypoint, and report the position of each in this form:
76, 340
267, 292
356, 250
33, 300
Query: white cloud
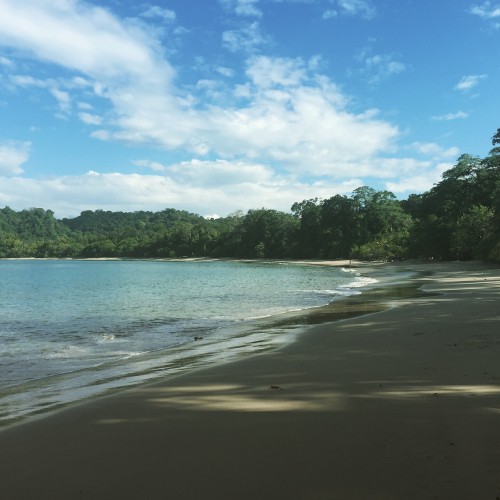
267, 72
247, 8
155, 11
102, 135
54, 87
285, 100
397, 167
379, 67
297, 118
451, 116
84, 105
153, 165
245, 39
330, 14
227, 72
486, 10
90, 119
119, 62
28, 81
219, 173
291, 114
468, 82
4, 61
78, 81
435, 150
420, 182
81, 37
62, 98
357, 7
12, 156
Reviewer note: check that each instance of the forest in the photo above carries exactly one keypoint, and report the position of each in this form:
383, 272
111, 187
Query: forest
458, 218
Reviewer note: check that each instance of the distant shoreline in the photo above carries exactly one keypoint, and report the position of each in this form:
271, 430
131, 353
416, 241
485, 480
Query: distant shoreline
322, 262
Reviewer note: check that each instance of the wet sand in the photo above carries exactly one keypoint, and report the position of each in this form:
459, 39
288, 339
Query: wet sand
403, 403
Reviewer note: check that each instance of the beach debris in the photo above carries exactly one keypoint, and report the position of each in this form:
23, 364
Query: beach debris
198, 338
276, 387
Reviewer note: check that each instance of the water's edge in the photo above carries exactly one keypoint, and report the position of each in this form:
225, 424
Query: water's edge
240, 340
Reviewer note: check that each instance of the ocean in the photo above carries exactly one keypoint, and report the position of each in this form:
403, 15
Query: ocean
72, 329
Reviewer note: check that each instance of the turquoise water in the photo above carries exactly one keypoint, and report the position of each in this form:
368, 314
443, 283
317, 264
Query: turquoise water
75, 329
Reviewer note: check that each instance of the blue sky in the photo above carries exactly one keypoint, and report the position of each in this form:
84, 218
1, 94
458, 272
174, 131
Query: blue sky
214, 106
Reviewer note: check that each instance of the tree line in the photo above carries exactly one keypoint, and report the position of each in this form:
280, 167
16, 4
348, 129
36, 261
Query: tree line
459, 218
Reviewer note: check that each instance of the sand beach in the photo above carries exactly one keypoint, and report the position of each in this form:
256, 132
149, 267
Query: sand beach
401, 403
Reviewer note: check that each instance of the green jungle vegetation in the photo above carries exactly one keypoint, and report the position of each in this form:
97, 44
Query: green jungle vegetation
459, 218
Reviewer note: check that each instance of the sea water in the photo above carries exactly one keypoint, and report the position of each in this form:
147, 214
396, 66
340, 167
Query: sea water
73, 329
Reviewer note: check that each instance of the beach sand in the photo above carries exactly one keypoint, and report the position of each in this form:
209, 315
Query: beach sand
398, 404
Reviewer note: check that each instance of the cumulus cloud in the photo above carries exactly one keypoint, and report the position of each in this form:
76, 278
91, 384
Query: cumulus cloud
242, 7
84, 105
153, 165
28, 81
245, 39
267, 72
220, 173
420, 182
80, 36
12, 156
299, 120
90, 118
488, 11
290, 114
155, 11
62, 98
120, 61
435, 150
204, 187
468, 82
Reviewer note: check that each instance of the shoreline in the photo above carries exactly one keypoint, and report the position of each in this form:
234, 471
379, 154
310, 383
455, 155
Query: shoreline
400, 403
239, 341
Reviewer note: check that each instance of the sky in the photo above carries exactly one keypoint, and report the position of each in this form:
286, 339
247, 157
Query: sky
216, 106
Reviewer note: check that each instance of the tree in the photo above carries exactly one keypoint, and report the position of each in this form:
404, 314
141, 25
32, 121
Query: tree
339, 226
229, 230
308, 212
472, 229
267, 233
495, 140
382, 220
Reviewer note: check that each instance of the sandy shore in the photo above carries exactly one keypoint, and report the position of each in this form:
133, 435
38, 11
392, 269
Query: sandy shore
398, 404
